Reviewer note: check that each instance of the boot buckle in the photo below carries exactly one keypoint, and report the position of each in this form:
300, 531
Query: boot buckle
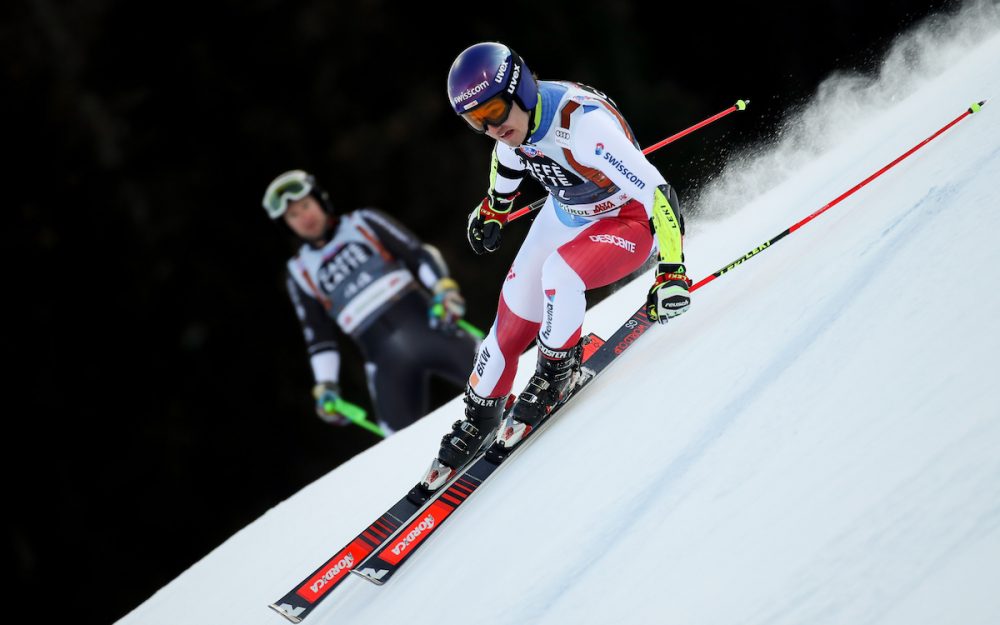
539, 383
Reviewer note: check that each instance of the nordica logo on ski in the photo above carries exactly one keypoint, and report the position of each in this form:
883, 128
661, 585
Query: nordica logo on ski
471, 92
413, 535
344, 565
416, 532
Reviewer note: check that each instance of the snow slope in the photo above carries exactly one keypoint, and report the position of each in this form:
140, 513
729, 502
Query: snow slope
817, 441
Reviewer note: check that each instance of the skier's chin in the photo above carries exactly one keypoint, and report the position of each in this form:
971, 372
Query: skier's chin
316, 241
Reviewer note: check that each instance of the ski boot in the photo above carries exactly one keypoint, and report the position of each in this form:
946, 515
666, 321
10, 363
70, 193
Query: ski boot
555, 376
476, 432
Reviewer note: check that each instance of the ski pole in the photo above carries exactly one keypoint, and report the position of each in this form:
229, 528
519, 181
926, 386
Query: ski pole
437, 311
353, 413
760, 248
739, 106
472, 330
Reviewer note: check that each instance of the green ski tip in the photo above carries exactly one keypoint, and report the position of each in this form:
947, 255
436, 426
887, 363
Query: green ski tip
975, 108
742, 104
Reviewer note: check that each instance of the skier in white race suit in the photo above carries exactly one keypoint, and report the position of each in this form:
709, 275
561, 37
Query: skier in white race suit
607, 210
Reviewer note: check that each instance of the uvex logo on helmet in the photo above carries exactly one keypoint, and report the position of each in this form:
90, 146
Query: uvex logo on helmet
514, 77
471, 92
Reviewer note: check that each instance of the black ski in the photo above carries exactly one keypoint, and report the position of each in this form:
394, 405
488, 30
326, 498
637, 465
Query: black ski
300, 601
383, 562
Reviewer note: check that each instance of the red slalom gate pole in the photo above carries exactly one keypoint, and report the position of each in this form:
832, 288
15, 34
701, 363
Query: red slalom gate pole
760, 248
739, 106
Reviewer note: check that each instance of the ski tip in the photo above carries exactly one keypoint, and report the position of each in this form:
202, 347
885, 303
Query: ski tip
365, 575
280, 610
741, 105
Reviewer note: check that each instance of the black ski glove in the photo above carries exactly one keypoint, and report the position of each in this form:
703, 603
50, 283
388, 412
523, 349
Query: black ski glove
486, 222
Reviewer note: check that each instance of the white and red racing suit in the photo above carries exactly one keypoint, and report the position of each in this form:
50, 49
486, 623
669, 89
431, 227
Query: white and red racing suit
593, 230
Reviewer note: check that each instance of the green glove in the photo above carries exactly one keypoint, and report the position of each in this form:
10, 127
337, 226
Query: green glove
334, 409
448, 305
327, 396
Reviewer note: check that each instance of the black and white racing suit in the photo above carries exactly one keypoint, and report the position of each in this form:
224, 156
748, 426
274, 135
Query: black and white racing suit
373, 280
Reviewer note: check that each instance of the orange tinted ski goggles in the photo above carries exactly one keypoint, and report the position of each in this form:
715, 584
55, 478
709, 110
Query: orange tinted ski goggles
492, 112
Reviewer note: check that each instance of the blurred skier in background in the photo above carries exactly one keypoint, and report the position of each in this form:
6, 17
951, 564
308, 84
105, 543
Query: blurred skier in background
362, 275
608, 209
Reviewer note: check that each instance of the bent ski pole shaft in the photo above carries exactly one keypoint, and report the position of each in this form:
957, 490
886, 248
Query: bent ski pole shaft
760, 248
739, 106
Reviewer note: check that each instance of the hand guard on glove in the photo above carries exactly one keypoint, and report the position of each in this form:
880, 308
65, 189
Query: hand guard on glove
668, 296
448, 305
486, 222
327, 396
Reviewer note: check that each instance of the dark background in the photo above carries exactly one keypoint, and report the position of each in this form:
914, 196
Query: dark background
159, 396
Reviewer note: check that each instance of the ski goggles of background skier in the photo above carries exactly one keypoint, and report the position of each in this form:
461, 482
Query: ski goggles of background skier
363, 275
607, 210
